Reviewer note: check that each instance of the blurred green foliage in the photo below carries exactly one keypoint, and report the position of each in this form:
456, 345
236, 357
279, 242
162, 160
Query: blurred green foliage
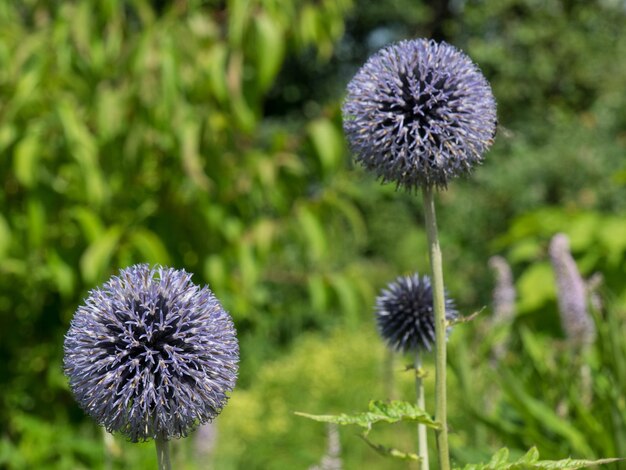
207, 135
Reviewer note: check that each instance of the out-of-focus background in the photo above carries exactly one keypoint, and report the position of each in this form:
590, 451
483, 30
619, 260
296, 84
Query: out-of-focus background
206, 135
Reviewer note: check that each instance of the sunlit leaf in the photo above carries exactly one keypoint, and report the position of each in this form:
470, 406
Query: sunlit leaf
150, 246
27, 153
328, 143
97, 257
313, 231
530, 461
269, 49
379, 411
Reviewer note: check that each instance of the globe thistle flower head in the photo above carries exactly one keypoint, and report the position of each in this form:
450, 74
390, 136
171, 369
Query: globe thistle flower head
405, 315
150, 354
419, 113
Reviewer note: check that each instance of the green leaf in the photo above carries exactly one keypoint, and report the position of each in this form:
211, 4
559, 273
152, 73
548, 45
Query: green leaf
314, 232
216, 69
150, 246
5, 236
98, 255
318, 293
348, 298
110, 109
215, 272
36, 217
612, 235
530, 461
62, 274
190, 153
379, 411
328, 144
83, 148
89, 222
26, 157
535, 287
538, 411
269, 49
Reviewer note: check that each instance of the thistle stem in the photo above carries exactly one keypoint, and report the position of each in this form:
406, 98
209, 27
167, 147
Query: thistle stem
422, 439
388, 366
440, 327
109, 444
163, 453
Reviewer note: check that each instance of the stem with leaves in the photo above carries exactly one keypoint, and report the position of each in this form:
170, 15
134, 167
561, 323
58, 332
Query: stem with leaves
440, 327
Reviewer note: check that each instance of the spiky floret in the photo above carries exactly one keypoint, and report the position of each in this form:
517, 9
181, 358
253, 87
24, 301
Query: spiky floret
405, 315
419, 113
150, 354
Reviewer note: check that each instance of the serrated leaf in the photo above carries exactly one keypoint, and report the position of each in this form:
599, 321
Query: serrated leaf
531, 456
530, 461
379, 411
500, 457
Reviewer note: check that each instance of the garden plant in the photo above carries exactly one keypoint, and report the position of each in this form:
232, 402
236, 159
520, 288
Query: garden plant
219, 216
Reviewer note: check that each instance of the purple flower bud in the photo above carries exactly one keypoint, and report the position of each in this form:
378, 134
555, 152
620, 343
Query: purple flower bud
405, 314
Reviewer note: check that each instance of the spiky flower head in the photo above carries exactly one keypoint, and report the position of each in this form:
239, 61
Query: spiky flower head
150, 354
419, 113
405, 315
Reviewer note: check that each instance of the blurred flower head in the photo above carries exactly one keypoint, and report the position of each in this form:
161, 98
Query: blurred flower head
576, 321
405, 315
150, 354
419, 113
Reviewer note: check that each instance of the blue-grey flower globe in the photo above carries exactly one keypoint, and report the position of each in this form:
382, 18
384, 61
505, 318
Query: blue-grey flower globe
419, 113
150, 354
405, 315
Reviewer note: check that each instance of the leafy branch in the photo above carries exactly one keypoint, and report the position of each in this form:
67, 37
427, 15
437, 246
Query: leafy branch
379, 411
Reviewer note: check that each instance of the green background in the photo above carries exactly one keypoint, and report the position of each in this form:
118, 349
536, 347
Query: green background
206, 135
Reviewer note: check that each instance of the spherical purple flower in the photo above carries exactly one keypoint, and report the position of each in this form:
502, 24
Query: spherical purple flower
150, 354
419, 113
405, 315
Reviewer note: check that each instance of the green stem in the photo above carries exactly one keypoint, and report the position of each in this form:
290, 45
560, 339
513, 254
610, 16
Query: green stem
422, 439
163, 453
390, 391
440, 327
109, 444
